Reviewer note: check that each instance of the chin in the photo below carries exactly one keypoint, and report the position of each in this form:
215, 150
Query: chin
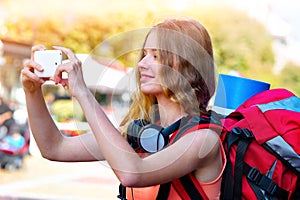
150, 90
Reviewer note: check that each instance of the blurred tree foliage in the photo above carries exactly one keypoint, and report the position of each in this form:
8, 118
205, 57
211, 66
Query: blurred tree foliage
240, 43
290, 78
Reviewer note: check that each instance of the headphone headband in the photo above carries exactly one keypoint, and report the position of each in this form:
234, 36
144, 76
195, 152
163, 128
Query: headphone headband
174, 127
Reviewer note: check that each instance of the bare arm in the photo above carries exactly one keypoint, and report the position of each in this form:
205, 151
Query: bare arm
195, 151
188, 154
52, 144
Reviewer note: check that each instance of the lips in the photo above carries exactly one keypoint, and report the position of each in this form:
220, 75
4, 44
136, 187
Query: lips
146, 77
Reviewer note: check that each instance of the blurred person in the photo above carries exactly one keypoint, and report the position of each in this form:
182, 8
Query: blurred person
14, 137
6, 117
175, 80
5, 112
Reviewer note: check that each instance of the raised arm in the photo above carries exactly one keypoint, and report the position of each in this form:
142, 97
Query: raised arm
187, 155
196, 151
52, 144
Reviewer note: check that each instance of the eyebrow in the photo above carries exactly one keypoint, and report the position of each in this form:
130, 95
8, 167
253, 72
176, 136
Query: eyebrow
151, 49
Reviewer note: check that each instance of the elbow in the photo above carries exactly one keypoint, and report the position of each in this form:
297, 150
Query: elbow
51, 149
130, 179
49, 156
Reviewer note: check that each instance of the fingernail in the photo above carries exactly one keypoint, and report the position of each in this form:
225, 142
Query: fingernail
39, 67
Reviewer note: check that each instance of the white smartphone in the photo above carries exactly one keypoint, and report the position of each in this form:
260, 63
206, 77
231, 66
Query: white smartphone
49, 60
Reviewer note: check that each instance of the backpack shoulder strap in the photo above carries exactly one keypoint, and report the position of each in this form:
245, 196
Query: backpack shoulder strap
187, 184
199, 122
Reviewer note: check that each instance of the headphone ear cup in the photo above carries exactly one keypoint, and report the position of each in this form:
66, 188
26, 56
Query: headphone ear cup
133, 131
151, 139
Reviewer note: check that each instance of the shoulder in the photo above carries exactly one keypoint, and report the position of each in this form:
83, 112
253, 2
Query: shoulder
206, 141
199, 125
207, 134
202, 134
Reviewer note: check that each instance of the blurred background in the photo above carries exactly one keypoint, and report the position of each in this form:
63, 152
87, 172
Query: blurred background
257, 39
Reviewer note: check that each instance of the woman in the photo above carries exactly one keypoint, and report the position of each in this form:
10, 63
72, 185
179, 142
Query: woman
175, 79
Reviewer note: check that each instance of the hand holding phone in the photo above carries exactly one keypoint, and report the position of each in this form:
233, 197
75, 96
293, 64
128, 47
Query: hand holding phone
49, 60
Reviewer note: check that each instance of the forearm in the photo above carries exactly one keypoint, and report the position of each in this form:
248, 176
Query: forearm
41, 123
112, 144
52, 144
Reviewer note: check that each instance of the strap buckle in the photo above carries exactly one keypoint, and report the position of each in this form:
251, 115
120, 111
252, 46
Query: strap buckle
243, 133
254, 175
261, 180
272, 188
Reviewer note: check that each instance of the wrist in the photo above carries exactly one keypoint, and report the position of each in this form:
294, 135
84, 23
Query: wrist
31, 87
82, 94
33, 92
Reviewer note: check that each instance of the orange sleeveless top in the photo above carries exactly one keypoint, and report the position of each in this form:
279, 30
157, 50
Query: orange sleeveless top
212, 189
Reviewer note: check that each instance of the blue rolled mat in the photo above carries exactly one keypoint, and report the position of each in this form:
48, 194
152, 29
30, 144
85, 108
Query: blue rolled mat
232, 91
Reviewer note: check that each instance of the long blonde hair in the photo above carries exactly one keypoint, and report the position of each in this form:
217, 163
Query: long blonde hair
185, 47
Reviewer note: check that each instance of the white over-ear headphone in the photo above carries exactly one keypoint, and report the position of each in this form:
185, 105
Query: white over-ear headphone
150, 137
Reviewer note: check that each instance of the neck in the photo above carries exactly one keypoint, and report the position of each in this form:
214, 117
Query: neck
169, 112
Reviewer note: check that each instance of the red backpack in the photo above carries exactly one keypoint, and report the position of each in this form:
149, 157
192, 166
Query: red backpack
262, 141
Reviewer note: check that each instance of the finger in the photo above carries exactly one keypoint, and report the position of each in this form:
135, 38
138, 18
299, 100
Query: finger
26, 73
69, 53
31, 65
36, 48
64, 83
65, 67
28, 70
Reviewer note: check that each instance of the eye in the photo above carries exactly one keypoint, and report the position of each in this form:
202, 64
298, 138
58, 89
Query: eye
154, 53
144, 54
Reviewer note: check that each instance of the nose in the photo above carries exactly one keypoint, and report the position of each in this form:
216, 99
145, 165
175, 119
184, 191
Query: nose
143, 63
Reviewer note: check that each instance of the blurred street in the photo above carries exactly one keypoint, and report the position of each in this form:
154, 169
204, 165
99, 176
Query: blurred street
47, 180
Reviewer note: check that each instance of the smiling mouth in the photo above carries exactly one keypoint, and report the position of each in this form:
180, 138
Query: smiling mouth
145, 77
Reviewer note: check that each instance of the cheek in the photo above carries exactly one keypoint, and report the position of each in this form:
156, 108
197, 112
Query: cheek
157, 69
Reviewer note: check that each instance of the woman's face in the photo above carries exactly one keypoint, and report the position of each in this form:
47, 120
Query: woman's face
149, 68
